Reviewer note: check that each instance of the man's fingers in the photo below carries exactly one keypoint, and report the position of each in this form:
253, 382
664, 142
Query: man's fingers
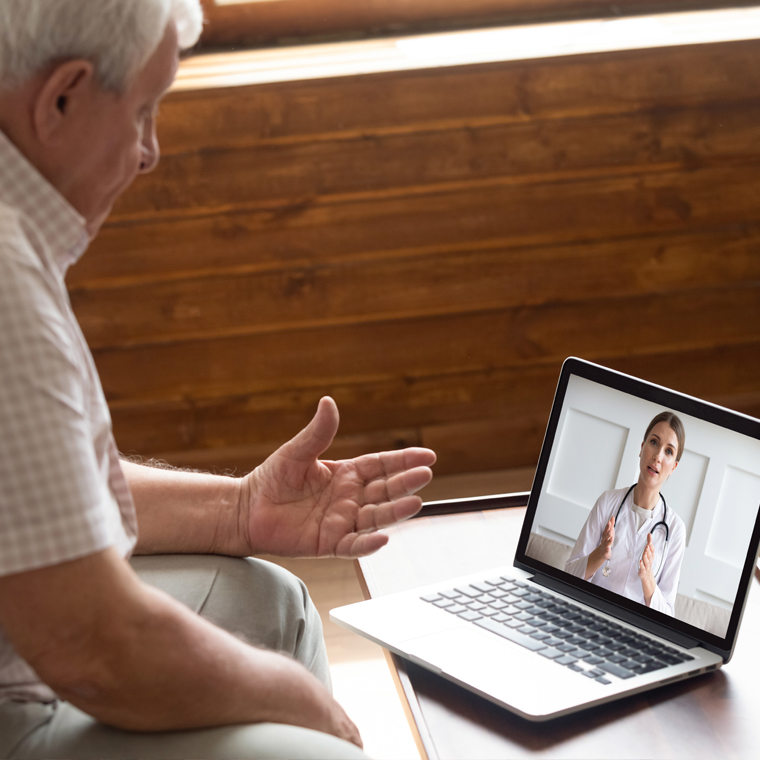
375, 516
360, 545
403, 484
388, 463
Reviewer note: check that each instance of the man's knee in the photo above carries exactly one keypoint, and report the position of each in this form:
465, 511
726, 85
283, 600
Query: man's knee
259, 601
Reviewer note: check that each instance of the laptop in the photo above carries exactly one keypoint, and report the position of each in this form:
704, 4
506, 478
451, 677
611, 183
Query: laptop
561, 627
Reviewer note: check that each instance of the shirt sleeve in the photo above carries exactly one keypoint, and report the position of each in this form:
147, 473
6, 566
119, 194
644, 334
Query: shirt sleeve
588, 539
664, 597
51, 490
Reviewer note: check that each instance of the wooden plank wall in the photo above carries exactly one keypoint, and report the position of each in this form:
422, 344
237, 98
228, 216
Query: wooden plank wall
427, 247
266, 23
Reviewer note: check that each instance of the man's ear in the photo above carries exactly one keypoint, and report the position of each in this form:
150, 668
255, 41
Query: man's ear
67, 85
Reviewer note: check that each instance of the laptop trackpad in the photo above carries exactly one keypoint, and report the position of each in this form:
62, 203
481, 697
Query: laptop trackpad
496, 667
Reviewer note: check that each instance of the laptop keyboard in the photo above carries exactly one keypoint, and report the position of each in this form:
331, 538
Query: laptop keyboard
556, 629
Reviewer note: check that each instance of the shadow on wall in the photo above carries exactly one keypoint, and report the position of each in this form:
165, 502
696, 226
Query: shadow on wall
695, 612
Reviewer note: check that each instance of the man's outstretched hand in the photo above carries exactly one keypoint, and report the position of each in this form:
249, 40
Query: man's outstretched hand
296, 505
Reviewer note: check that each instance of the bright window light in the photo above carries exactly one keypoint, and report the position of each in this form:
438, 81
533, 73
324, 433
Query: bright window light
602, 35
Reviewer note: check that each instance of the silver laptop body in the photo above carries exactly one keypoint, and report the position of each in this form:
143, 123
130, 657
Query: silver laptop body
542, 642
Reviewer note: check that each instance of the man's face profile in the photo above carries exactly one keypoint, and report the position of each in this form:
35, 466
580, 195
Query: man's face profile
120, 140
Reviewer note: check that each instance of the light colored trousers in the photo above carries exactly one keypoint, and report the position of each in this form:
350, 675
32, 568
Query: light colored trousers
262, 603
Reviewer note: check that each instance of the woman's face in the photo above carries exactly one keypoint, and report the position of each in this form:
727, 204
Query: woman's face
658, 455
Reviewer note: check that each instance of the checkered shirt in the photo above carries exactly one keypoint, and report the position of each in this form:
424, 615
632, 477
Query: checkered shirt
62, 491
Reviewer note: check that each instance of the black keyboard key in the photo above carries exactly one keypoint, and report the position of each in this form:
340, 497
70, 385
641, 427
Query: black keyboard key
510, 634
566, 659
588, 674
576, 668
550, 653
566, 647
616, 670
592, 659
602, 679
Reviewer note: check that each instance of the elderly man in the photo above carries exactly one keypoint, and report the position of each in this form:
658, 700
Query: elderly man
94, 661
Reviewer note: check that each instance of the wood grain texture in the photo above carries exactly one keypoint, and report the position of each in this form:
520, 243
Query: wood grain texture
267, 22
427, 247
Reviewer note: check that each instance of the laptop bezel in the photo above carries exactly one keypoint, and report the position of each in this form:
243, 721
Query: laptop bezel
652, 621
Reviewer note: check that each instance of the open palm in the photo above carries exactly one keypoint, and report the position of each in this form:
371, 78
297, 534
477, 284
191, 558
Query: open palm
295, 505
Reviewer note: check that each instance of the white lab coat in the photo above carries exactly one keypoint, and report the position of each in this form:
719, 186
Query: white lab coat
627, 548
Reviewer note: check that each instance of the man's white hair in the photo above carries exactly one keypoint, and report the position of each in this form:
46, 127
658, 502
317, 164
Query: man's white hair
118, 36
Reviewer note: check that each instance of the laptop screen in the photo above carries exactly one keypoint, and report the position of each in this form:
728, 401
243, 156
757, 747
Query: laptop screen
649, 499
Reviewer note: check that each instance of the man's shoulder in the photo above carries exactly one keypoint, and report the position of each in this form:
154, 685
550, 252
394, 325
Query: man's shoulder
10, 222
15, 246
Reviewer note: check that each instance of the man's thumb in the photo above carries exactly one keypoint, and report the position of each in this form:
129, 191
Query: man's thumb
316, 437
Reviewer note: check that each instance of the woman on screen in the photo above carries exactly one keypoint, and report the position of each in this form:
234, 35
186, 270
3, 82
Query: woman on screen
632, 542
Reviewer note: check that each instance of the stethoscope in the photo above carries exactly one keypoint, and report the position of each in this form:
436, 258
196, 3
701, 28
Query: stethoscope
662, 522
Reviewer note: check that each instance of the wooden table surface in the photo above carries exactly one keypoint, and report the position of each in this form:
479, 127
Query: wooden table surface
713, 716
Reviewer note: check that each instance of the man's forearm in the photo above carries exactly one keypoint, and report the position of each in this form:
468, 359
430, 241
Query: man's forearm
181, 672
136, 659
182, 512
